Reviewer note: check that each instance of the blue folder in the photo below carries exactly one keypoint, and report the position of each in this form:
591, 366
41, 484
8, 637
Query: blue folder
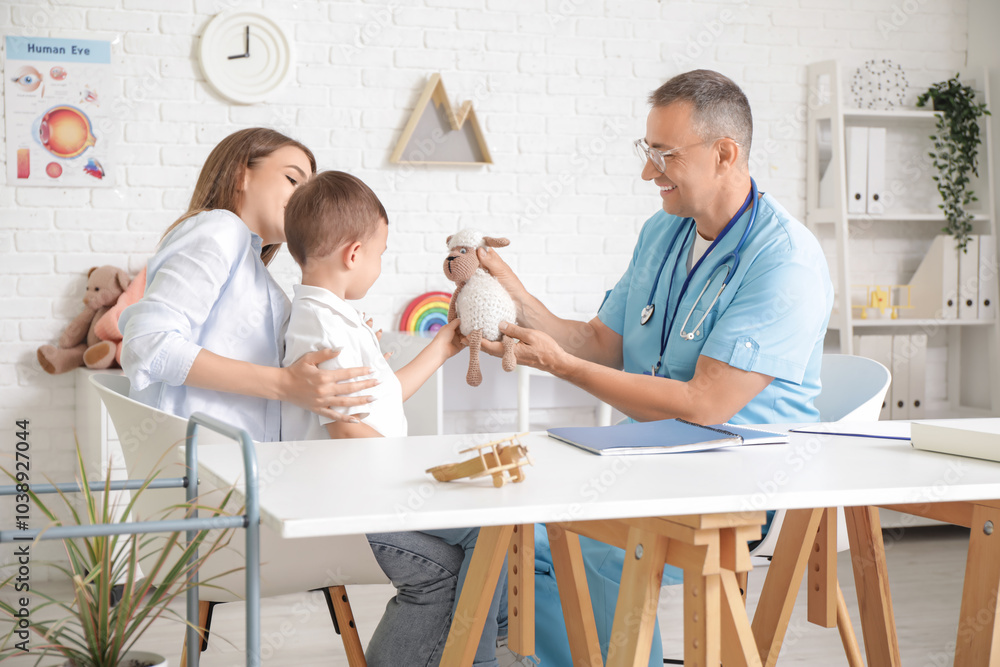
662, 437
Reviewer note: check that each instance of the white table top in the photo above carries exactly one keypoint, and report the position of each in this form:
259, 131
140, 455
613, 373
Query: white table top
316, 488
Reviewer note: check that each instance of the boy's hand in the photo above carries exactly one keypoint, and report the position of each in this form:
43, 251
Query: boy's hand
449, 340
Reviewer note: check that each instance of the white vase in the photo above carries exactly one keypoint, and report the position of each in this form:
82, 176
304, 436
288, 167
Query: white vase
136, 659
143, 658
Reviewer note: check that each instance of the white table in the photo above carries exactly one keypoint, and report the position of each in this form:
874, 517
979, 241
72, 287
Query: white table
701, 501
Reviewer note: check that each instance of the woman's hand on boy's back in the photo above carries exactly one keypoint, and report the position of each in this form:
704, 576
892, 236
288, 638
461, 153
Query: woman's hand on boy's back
319, 390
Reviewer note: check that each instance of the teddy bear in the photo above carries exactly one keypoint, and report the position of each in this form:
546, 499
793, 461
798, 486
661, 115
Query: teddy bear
79, 345
106, 327
479, 300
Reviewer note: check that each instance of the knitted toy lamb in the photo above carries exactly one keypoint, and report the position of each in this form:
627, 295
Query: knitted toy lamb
479, 300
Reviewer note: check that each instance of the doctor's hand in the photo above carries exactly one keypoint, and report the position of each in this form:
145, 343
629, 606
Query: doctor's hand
499, 269
319, 390
535, 349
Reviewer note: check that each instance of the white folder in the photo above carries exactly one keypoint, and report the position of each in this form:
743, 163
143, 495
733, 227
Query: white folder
988, 270
878, 348
899, 390
918, 375
968, 280
856, 139
876, 170
934, 286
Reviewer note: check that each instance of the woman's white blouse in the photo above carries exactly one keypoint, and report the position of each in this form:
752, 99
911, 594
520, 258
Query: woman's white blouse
206, 288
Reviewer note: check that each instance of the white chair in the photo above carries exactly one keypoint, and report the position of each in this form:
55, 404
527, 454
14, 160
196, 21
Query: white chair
149, 440
852, 390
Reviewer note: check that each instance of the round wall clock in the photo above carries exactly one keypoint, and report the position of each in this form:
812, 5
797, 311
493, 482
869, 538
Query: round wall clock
245, 56
879, 85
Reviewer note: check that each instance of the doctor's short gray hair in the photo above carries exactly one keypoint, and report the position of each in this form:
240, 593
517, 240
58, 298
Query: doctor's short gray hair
721, 109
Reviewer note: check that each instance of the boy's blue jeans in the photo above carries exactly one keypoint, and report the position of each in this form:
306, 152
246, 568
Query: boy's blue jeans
428, 570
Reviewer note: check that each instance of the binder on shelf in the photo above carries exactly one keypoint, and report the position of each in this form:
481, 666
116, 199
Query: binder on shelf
934, 286
968, 280
856, 140
918, 375
876, 170
899, 389
988, 277
877, 348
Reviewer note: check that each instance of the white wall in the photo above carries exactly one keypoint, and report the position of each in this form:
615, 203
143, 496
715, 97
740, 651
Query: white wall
560, 87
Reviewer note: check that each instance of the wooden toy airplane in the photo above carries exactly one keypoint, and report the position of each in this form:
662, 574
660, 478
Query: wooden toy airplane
502, 459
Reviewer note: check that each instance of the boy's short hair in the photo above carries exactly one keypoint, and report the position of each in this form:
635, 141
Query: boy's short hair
330, 209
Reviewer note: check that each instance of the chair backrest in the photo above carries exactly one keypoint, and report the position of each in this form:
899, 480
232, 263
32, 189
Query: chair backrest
853, 388
149, 437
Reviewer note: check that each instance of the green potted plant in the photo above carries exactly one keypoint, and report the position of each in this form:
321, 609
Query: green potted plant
956, 146
90, 631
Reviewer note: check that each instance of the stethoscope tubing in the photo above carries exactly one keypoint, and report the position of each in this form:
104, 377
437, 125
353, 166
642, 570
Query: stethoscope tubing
750, 202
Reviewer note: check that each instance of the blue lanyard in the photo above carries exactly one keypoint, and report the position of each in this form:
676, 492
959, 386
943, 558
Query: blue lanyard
749, 202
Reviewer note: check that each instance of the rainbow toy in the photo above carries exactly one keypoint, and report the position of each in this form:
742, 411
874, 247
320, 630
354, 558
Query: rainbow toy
426, 313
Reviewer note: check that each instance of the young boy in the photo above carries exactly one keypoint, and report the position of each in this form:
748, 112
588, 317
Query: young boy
336, 229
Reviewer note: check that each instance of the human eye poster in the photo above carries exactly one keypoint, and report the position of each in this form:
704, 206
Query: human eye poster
58, 121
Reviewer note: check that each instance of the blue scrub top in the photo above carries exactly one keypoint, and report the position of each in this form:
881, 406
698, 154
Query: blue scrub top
771, 318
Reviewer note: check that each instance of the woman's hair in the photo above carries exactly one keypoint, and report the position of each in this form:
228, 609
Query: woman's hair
331, 209
720, 108
220, 183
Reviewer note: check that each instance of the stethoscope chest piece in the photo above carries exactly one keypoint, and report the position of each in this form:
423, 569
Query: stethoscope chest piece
647, 313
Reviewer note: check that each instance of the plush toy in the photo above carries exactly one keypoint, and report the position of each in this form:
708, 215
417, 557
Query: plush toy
78, 343
106, 328
479, 300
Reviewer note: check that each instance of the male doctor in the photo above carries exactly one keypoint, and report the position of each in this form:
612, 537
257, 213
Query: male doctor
720, 315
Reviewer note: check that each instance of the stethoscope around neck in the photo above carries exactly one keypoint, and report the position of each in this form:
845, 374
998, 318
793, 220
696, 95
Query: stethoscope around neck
685, 334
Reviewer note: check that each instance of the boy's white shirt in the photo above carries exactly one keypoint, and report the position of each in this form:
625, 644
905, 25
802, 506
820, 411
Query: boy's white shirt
319, 320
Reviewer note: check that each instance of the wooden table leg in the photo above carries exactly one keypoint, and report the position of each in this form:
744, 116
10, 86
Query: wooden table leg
743, 581
822, 577
738, 646
978, 642
574, 596
521, 590
702, 622
847, 637
871, 577
477, 594
784, 575
638, 596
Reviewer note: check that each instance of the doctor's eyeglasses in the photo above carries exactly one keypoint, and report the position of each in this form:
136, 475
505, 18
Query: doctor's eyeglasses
659, 158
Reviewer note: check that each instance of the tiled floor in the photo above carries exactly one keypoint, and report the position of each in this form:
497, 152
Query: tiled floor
926, 567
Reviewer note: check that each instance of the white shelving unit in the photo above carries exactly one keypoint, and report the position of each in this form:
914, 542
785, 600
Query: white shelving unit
973, 346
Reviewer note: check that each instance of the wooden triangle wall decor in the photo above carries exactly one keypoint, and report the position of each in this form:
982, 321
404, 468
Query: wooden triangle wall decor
435, 134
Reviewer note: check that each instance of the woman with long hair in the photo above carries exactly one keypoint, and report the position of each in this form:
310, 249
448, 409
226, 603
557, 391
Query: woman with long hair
207, 335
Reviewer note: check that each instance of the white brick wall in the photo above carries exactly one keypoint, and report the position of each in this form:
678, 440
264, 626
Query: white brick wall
548, 78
